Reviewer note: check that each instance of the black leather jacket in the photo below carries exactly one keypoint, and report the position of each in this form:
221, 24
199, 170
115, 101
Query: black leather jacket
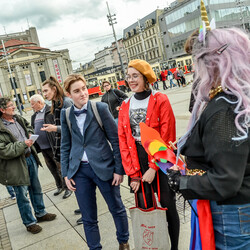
114, 98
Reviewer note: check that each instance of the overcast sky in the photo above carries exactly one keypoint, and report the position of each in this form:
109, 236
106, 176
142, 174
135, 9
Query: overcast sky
79, 25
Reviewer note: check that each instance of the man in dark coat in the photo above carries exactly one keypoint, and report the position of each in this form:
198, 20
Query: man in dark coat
45, 142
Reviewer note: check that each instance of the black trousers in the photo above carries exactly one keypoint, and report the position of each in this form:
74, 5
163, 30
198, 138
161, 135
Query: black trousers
168, 198
164, 85
183, 81
54, 167
179, 82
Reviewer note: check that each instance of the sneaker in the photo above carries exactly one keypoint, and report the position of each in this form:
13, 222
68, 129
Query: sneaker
46, 217
124, 246
58, 191
79, 221
34, 229
13, 197
67, 194
77, 211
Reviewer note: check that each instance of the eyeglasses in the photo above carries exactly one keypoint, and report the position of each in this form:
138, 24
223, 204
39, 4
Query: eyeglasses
10, 105
104, 86
134, 76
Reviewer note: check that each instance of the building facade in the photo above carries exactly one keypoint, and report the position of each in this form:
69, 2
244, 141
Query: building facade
179, 20
143, 39
30, 66
29, 35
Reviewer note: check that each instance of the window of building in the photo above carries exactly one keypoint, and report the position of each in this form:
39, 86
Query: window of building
42, 76
229, 14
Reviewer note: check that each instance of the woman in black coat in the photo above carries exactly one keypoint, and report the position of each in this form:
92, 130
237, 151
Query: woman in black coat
114, 99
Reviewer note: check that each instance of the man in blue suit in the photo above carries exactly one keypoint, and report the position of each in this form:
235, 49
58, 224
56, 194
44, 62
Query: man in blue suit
87, 161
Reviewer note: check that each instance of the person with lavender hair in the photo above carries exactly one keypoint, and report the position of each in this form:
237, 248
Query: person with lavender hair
217, 143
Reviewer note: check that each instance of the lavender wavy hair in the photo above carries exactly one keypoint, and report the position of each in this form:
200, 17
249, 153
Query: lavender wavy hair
230, 69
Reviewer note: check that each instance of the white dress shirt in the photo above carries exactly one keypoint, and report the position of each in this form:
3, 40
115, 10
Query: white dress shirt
80, 120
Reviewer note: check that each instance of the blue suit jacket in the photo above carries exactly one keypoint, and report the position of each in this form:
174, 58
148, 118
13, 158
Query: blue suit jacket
103, 160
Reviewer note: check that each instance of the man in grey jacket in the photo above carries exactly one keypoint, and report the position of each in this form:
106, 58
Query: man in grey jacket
19, 166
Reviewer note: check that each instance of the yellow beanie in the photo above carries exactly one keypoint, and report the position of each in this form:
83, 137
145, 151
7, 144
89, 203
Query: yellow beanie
144, 68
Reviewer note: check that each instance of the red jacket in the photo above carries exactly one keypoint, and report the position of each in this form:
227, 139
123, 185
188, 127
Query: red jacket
163, 76
159, 116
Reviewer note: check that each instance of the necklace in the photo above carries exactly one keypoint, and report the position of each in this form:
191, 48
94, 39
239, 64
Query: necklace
214, 91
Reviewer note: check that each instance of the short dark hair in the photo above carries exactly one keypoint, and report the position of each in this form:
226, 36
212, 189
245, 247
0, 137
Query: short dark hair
105, 82
3, 103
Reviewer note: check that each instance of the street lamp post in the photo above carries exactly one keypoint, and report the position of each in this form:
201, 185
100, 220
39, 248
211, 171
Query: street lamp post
12, 81
112, 21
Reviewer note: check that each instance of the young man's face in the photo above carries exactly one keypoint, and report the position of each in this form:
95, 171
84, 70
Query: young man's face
79, 93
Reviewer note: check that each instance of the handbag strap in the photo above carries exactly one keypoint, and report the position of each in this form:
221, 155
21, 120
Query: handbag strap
143, 193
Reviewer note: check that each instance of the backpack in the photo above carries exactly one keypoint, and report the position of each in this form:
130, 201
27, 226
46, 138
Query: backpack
96, 114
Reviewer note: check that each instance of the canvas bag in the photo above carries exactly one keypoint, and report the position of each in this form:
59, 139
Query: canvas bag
150, 227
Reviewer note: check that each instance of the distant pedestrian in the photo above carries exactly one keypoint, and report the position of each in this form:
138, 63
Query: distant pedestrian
156, 85
114, 99
19, 166
53, 91
170, 78
22, 108
182, 75
177, 77
163, 78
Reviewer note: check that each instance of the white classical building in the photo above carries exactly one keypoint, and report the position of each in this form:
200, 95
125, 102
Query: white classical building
30, 66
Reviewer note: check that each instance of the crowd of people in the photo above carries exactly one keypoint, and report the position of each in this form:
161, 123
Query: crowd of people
88, 145
167, 76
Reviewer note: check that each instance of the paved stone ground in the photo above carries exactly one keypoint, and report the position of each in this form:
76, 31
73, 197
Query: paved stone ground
63, 233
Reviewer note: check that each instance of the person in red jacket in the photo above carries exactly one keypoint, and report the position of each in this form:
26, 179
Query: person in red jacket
177, 77
164, 78
154, 109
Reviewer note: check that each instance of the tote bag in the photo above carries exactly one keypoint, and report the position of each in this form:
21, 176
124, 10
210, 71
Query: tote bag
150, 228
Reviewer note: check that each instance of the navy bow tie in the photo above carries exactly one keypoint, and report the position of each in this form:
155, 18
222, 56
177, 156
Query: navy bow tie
77, 113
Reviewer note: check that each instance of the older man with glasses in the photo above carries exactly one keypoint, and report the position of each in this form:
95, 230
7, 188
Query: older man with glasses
19, 166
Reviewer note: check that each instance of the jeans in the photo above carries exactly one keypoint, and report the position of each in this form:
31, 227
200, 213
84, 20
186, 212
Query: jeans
35, 193
85, 182
156, 85
11, 191
164, 85
231, 226
172, 83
